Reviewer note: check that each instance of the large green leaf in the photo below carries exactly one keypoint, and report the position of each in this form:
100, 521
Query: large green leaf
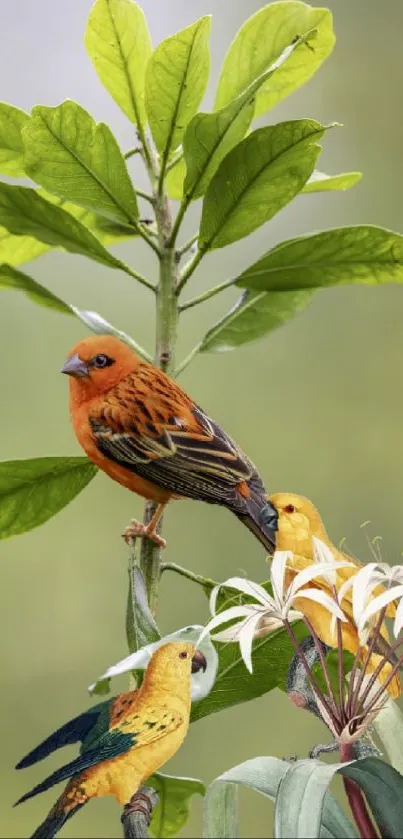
264, 775
71, 155
262, 39
25, 213
361, 254
32, 491
234, 684
383, 788
18, 249
253, 316
175, 179
319, 182
256, 179
119, 45
12, 120
172, 810
176, 79
10, 278
209, 137
388, 725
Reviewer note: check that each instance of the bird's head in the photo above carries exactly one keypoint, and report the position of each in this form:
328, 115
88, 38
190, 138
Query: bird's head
297, 521
96, 364
175, 662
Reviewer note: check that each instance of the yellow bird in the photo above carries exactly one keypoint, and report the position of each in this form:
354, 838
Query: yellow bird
297, 521
124, 740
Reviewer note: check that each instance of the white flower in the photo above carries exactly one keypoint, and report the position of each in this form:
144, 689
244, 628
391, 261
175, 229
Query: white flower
268, 612
201, 682
366, 606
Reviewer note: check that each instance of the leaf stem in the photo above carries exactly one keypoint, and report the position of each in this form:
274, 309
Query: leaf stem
132, 152
206, 582
188, 270
356, 798
322, 657
187, 246
139, 277
141, 230
145, 195
315, 685
186, 361
211, 292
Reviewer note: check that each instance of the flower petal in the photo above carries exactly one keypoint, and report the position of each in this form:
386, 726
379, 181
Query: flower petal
246, 639
378, 603
324, 599
229, 615
277, 573
322, 553
364, 581
318, 569
251, 589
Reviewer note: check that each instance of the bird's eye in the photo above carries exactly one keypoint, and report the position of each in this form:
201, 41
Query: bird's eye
101, 360
183, 654
289, 508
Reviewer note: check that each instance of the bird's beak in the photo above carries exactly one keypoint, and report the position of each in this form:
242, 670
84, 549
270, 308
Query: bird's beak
268, 518
74, 366
198, 662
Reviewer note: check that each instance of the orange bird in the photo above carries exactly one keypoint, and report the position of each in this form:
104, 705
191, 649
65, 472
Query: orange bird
145, 432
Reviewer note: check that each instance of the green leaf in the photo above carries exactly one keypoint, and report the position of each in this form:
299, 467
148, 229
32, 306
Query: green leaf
264, 775
302, 792
12, 120
362, 254
177, 75
175, 179
141, 628
262, 39
383, 789
32, 491
256, 179
172, 810
119, 45
71, 155
253, 316
209, 137
10, 278
18, 249
389, 727
234, 684
25, 213
319, 182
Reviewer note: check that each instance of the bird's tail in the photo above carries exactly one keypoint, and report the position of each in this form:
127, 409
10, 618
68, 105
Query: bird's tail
258, 514
57, 817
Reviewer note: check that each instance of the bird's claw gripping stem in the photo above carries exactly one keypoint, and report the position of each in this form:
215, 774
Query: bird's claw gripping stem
137, 529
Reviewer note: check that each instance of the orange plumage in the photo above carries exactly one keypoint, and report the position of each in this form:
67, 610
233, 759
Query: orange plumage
146, 433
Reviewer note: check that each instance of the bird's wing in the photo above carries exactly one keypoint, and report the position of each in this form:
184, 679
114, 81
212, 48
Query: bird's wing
141, 729
73, 731
148, 425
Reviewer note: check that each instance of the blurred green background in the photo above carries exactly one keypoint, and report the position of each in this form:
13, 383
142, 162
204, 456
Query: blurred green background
317, 405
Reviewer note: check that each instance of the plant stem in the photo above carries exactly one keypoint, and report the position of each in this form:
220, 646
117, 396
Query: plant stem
211, 292
132, 152
189, 270
322, 657
138, 277
184, 572
311, 678
181, 366
356, 798
189, 244
166, 331
145, 195
140, 229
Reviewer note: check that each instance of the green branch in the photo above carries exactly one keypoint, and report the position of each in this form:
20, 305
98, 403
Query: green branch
139, 277
188, 270
206, 582
186, 361
211, 292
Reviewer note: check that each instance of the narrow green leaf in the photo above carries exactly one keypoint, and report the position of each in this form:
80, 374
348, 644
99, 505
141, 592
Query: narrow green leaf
141, 628
25, 213
176, 79
175, 179
319, 182
32, 491
71, 155
383, 789
119, 45
10, 278
262, 39
362, 254
12, 121
264, 775
253, 316
209, 137
234, 684
172, 810
256, 179
300, 800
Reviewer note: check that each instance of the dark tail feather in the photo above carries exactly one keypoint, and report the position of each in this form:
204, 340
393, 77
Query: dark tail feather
55, 821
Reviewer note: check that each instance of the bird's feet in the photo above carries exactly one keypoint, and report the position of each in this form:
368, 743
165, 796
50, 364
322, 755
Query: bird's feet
137, 529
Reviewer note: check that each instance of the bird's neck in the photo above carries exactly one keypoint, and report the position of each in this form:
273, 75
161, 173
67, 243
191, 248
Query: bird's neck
167, 688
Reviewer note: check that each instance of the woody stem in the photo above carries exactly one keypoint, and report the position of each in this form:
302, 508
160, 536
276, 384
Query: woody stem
166, 331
